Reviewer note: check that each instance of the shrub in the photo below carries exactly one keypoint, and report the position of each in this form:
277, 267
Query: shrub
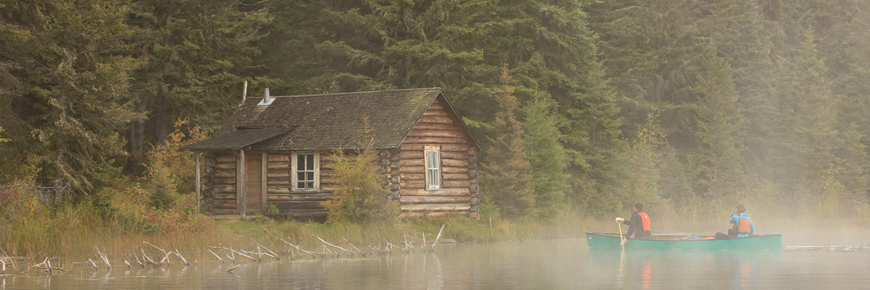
362, 195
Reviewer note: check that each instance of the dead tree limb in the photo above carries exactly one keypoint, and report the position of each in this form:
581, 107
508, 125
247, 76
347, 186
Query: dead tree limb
331, 245
234, 252
148, 259
376, 249
437, 238
165, 254
233, 268
104, 258
180, 257
216, 256
273, 255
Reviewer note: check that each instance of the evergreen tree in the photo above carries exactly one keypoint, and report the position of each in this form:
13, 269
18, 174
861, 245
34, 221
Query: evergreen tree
505, 169
73, 75
719, 159
194, 57
547, 158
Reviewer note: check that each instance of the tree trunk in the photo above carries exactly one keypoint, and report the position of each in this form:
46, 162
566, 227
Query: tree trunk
136, 143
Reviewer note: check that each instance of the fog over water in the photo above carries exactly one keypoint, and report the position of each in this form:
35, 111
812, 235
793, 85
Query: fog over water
554, 264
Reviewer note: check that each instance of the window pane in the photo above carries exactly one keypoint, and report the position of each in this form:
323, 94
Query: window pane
309, 176
433, 159
300, 161
309, 162
300, 185
300, 176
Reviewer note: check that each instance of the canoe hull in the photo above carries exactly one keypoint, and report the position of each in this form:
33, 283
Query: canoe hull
672, 242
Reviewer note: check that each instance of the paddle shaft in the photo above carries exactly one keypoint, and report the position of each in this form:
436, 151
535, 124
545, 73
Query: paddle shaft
621, 239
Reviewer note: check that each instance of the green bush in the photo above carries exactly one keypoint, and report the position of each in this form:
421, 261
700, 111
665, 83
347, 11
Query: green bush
363, 194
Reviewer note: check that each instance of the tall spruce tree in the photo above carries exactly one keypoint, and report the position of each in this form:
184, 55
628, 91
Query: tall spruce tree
547, 158
719, 159
506, 172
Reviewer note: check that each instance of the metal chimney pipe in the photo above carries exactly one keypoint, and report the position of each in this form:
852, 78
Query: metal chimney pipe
245, 92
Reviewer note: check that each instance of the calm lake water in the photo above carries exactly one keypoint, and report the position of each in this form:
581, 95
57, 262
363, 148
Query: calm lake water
560, 264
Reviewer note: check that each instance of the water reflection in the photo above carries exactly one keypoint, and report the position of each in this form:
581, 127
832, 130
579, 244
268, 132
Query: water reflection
564, 264
660, 269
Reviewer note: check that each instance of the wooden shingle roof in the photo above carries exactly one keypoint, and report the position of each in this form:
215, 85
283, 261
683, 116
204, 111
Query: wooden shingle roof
331, 121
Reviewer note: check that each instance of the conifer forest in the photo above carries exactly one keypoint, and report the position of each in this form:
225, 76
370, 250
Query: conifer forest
689, 106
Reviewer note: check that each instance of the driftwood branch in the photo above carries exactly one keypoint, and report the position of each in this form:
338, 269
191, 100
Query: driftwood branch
216, 256
298, 248
180, 257
165, 253
104, 258
233, 268
331, 245
273, 255
233, 252
148, 259
437, 238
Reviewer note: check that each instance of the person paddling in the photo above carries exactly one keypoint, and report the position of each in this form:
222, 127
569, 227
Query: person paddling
742, 225
639, 224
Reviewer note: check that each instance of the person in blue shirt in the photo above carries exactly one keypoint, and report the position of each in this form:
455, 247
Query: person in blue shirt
742, 224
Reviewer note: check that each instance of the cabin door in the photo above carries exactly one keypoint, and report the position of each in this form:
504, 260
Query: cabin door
253, 182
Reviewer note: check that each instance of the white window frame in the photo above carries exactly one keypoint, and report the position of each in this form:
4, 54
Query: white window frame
294, 171
435, 171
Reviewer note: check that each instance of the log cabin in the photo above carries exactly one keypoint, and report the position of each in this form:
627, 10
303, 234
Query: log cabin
280, 150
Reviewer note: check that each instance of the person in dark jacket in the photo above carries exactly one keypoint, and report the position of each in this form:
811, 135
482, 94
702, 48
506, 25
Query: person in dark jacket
639, 224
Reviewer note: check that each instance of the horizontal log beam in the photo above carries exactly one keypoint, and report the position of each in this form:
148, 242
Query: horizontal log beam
435, 140
224, 180
278, 165
436, 112
446, 191
225, 165
298, 205
300, 197
272, 157
444, 147
434, 199
455, 184
436, 133
225, 188
437, 106
225, 158
278, 173
224, 196
436, 120
225, 173
436, 207
420, 126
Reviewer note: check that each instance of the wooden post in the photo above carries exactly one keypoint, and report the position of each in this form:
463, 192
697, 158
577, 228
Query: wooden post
263, 183
240, 199
198, 188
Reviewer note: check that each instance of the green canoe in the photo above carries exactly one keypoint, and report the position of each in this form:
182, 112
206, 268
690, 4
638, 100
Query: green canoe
669, 242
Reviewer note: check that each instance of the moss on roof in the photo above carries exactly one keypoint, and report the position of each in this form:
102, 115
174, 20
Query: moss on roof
332, 121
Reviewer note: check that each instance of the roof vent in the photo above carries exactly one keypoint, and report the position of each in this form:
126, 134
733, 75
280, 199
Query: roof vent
267, 100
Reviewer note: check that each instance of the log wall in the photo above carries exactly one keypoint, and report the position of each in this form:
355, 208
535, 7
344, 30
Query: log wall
407, 172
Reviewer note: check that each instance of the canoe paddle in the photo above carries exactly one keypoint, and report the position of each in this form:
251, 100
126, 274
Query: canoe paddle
621, 239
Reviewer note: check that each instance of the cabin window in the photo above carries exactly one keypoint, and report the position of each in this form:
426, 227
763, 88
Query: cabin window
433, 167
305, 171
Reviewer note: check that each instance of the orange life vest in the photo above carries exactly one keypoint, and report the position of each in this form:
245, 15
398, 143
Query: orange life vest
743, 225
644, 218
